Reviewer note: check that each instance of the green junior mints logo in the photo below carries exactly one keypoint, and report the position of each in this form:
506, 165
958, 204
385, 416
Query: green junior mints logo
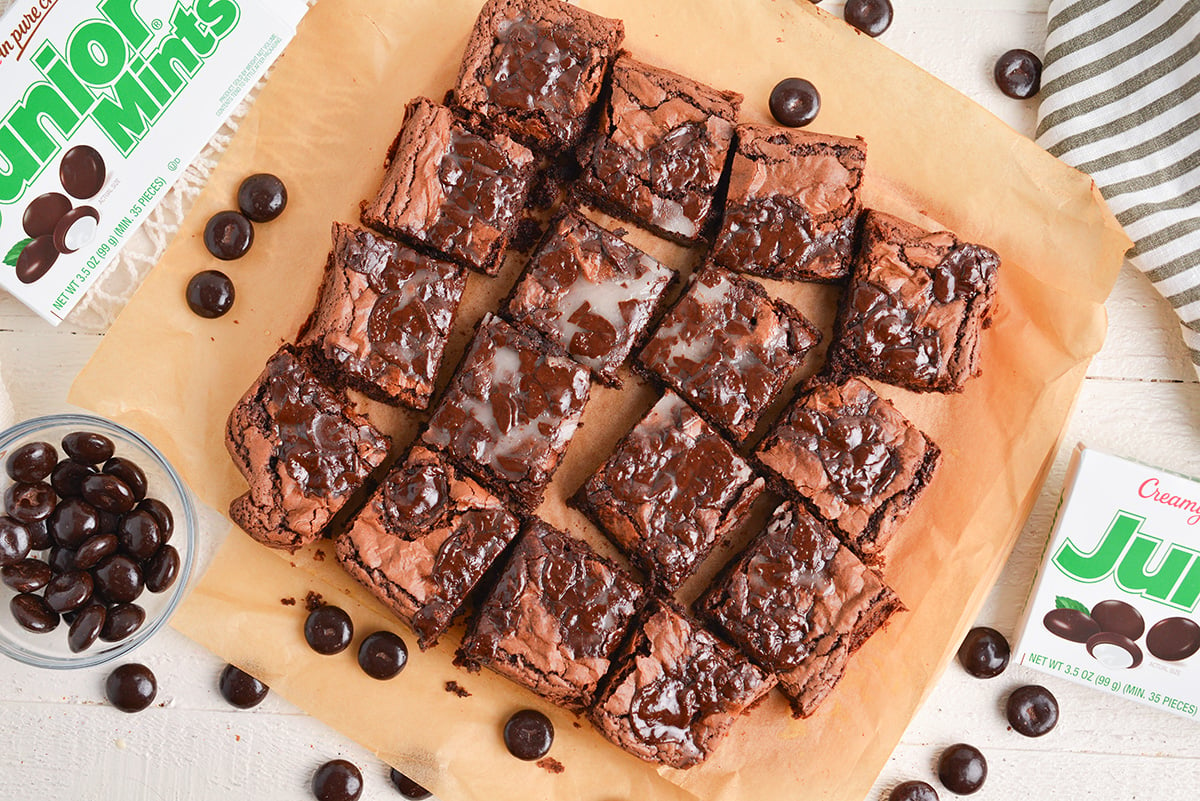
108, 71
1126, 554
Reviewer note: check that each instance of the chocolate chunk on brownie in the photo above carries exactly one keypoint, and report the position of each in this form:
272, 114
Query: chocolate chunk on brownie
853, 458
535, 68
670, 492
675, 690
554, 618
424, 540
303, 449
728, 348
382, 316
660, 150
510, 411
916, 307
793, 206
799, 603
591, 293
452, 190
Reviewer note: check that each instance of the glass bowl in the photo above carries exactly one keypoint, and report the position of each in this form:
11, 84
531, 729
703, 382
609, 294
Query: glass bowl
50, 649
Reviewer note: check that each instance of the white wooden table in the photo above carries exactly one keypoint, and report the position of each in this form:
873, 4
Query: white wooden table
59, 740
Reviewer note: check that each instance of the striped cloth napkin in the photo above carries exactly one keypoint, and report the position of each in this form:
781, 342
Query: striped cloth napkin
1120, 100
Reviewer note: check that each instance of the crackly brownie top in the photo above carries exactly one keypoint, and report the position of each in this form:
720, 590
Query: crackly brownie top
666, 493
450, 188
729, 347
793, 204
556, 614
535, 67
512, 406
793, 585
429, 533
385, 311
676, 690
847, 450
916, 304
590, 292
662, 146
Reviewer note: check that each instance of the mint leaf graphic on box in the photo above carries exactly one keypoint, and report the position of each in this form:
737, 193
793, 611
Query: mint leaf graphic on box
14, 253
1063, 602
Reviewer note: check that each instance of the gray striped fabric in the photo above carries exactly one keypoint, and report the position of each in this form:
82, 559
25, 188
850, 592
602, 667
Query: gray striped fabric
1120, 100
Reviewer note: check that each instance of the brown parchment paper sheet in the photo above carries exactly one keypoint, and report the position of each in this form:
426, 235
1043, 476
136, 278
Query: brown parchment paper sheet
324, 122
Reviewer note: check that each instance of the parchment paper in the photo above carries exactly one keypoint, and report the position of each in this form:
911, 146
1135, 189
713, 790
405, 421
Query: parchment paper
324, 123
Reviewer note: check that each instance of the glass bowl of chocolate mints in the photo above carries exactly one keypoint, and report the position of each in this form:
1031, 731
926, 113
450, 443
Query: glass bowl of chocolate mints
97, 537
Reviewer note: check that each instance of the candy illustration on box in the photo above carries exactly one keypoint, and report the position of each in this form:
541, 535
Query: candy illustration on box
1114, 603
120, 96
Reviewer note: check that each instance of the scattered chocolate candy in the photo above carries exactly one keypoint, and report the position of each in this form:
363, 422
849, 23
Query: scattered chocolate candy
210, 294
29, 503
131, 687
32, 614
241, 689
984, 653
82, 172
794, 102
262, 197
88, 447
407, 787
162, 569
85, 628
337, 780
42, 215
528, 734
77, 228
122, 620
32, 462
28, 575
913, 791
1114, 650
67, 592
1032, 710
1070, 624
1119, 617
962, 769
36, 259
228, 235
1018, 73
14, 541
328, 630
382, 655
872, 17
1174, 638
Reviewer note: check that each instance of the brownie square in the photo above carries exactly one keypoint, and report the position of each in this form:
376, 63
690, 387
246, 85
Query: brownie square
382, 317
660, 150
535, 68
670, 492
591, 293
510, 411
728, 348
915, 308
424, 540
303, 449
799, 603
793, 205
675, 690
554, 618
451, 190
853, 458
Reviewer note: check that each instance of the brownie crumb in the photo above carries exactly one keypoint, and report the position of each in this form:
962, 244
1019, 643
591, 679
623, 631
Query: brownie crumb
550, 765
457, 689
313, 601
528, 234
318, 555
619, 231
288, 601
577, 724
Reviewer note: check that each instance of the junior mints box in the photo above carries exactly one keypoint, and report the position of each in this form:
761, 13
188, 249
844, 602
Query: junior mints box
1114, 604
